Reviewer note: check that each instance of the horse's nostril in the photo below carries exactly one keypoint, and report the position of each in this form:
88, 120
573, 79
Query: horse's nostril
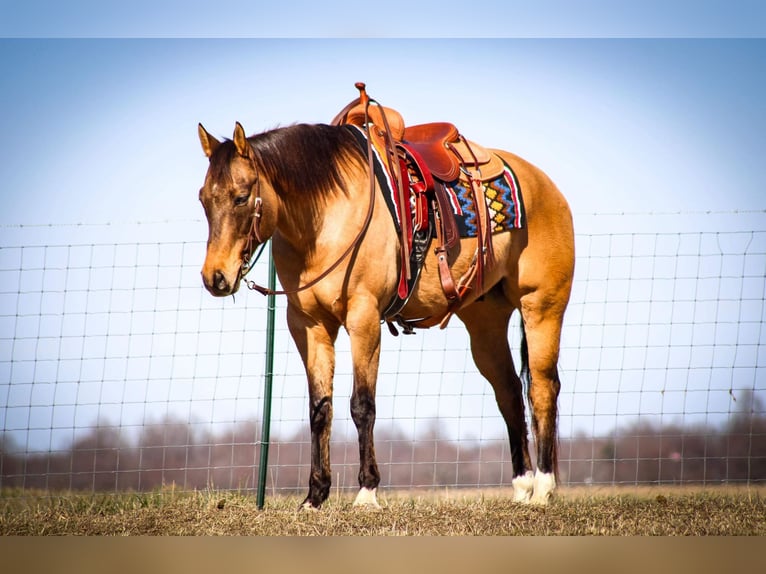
219, 281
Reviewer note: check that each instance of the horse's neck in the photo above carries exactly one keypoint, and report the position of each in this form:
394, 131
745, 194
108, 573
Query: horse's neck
299, 221
322, 225
311, 213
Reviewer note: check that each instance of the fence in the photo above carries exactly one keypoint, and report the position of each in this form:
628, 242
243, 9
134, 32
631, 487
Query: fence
118, 371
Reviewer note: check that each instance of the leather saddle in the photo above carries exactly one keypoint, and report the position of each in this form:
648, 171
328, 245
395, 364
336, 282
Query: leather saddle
443, 149
443, 153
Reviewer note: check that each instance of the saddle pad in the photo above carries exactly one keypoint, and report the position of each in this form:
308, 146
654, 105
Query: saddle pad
504, 200
381, 174
419, 235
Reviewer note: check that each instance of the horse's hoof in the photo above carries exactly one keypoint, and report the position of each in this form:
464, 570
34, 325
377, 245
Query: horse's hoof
367, 498
545, 484
308, 507
523, 487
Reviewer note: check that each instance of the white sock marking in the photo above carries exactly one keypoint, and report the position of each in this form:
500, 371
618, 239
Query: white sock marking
545, 484
523, 486
367, 497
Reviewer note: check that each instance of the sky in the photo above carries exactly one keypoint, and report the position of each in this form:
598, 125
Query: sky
401, 18
104, 130
656, 107
648, 107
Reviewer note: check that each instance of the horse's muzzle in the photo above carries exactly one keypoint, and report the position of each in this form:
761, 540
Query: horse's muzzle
218, 285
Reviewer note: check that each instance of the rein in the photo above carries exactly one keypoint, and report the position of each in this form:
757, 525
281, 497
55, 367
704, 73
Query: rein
255, 236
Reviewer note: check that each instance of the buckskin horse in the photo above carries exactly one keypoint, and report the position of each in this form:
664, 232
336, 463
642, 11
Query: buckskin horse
338, 256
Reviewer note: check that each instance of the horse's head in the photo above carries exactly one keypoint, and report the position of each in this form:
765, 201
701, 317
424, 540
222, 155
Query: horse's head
238, 219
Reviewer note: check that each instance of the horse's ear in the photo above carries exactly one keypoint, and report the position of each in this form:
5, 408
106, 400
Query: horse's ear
240, 141
209, 143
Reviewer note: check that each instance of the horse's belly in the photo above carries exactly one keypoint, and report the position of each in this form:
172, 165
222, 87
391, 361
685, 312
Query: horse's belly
429, 301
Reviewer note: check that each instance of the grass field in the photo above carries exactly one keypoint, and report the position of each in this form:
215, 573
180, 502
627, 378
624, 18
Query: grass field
600, 512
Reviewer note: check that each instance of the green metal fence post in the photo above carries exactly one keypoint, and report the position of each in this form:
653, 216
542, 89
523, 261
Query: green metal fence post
268, 377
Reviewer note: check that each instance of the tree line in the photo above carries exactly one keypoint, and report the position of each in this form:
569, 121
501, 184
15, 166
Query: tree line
176, 452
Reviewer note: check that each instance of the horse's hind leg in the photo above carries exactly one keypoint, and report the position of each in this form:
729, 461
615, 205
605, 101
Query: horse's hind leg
487, 323
542, 333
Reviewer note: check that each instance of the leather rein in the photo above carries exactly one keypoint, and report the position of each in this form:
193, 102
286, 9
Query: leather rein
255, 237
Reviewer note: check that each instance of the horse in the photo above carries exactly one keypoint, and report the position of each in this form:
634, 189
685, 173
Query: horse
308, 188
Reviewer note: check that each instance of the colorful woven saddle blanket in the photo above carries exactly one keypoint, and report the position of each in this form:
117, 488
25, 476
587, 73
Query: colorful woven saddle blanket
504, 202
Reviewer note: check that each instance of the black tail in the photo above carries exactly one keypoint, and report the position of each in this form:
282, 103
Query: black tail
524, 372
526, 379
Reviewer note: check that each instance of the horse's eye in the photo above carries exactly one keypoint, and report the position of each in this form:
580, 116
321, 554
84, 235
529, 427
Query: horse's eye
241, 199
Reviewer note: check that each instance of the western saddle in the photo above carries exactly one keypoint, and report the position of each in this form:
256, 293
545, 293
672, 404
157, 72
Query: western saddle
443, 155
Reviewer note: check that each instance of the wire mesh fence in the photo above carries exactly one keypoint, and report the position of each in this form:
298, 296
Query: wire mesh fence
118, 371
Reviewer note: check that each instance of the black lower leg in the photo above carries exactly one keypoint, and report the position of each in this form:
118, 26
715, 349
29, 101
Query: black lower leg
363, 415
321, 477
545, 423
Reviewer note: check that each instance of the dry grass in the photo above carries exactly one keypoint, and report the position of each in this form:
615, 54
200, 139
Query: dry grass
634, 511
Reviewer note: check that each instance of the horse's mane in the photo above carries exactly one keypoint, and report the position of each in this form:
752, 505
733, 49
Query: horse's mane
302, 158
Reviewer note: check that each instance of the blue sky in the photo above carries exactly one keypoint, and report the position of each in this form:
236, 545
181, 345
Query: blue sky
398, 18
630, 106
104, 130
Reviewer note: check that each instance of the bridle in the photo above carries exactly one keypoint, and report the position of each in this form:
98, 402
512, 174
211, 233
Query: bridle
255, 236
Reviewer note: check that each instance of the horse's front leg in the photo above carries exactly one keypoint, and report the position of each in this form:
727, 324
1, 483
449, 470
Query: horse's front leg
363, 326
315, 341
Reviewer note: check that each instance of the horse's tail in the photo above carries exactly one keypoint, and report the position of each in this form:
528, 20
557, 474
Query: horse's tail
526, 380
524, 372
